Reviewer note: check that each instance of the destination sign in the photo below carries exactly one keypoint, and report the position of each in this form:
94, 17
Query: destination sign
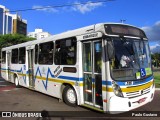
124, 30
90, 36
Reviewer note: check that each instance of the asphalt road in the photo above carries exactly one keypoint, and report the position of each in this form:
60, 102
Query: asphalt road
23, 99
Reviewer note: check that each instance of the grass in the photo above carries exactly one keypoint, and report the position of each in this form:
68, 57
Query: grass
157, 78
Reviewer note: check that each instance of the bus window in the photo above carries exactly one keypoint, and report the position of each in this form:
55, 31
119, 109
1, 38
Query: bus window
65, 53
4, 57
22, 55
46, 53
15, 56
36, 54
98, 58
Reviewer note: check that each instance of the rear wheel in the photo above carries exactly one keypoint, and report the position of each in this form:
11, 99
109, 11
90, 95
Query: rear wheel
69, 96
16, 82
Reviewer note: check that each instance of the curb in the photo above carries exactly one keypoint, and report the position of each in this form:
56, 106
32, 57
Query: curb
157, 88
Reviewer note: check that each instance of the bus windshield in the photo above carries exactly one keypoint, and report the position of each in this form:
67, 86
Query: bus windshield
132, 59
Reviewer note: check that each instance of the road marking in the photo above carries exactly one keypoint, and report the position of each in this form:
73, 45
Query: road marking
7, 88
3, 85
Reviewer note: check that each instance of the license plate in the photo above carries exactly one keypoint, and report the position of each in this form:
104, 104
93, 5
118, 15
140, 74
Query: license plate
142, 100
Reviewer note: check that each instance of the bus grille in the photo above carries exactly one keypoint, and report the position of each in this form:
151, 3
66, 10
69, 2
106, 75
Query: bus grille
137, 93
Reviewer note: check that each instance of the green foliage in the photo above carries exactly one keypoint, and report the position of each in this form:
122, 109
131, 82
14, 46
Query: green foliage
13, 39
156, 59
155, 56
157, 79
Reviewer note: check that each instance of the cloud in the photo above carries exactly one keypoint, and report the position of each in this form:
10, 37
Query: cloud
89, 6
44, 8
153, 32
155, 48
80, 7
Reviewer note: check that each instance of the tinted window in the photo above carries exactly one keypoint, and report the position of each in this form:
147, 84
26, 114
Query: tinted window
22, 55
65, 53
46, 53
15, 56
36, 54
4, 57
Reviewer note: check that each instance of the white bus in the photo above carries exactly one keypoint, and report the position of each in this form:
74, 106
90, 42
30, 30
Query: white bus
105, 67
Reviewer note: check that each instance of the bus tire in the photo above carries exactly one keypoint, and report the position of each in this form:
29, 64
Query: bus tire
69, 96
16, 82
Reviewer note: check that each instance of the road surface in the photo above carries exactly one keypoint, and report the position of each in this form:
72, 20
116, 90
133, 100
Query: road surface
25, 100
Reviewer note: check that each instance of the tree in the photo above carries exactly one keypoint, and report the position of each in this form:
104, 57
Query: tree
155, 59
13, 39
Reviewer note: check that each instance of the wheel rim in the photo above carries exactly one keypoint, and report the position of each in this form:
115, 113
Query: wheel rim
71, 96
16, 81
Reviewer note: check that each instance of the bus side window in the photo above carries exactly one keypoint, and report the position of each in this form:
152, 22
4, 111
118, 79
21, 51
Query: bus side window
3, 57
57, 53
14, 56
65, 52
36, 54
46, 53
22, 55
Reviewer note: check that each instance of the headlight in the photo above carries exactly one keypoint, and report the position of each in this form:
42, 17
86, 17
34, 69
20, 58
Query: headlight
117, 90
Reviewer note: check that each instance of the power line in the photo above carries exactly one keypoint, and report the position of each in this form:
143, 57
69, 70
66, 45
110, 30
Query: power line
59, 6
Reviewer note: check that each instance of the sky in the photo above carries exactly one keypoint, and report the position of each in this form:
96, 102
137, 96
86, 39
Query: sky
141, 13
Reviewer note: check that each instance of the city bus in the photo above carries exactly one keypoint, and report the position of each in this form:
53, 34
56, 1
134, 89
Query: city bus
105, 67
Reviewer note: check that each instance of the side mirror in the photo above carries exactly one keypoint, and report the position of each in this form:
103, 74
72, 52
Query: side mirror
110, 50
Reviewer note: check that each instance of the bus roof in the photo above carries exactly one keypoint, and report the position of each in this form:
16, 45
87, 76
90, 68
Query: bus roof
67, 34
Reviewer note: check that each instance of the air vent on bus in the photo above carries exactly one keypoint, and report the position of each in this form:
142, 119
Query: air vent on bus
137, 93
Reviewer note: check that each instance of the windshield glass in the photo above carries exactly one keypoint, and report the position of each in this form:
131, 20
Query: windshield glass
132, 59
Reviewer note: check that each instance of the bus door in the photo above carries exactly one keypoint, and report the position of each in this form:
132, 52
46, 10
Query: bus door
31, 69
9, 65
92, 73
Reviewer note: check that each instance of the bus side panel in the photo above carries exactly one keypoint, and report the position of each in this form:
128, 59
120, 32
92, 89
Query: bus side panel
4, 71
3, 66
49, 79
22, 75
80, 72
17, 70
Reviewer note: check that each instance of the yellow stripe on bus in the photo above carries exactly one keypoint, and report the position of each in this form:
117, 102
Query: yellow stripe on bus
108, 89
137, 88
130, 89
104, 88
55, 80
21, 74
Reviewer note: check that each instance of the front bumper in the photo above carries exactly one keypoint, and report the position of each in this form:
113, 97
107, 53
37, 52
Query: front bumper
120, 105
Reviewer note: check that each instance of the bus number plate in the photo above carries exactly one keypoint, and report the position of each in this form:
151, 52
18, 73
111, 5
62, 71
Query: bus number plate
141, 100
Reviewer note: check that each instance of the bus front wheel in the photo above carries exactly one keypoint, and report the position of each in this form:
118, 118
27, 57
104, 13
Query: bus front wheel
69, 96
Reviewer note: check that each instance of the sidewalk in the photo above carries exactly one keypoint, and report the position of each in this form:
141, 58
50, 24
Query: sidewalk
157, 88
155, 69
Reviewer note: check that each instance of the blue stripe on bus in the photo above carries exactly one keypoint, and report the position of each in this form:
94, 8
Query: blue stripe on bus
106, 82
70, 78
4, 69
45, 82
